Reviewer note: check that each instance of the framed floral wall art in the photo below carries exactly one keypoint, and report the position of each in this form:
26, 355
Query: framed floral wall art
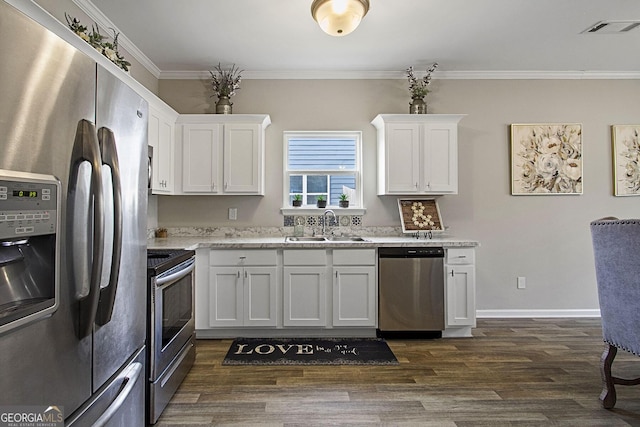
546, 159
626, 156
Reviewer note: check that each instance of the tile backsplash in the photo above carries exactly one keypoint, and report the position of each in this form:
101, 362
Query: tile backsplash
342, 225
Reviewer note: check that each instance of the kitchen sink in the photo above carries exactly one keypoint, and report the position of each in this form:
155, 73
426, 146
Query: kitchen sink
325, 239
345, 239
305, 239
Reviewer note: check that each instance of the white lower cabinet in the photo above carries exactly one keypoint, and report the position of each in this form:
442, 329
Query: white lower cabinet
305, 287
354, 287
460, 287
311, 290
242, 288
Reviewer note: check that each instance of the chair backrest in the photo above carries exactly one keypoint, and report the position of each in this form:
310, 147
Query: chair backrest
616, 248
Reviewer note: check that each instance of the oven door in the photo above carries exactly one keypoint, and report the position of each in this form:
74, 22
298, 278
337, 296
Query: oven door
172, 315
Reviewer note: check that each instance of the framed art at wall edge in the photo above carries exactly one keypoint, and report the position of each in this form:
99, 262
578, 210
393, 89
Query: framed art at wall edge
546, 159
626, 157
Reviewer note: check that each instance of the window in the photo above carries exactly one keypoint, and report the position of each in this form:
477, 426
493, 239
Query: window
323, 164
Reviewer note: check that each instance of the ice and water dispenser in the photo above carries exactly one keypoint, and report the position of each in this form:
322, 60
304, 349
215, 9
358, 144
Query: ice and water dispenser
29, 223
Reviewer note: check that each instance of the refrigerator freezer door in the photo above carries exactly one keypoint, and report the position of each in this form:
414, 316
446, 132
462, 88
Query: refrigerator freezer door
46, 88
124, 114
117, 403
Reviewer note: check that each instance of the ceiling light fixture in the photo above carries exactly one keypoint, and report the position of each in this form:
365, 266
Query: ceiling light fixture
339, 17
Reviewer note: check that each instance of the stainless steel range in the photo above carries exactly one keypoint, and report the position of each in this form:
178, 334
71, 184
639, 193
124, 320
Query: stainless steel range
171, 326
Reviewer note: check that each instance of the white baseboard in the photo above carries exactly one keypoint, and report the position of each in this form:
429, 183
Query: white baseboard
480, 314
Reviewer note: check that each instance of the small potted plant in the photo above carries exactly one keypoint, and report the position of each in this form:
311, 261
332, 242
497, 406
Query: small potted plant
297, 200
344, 201
321, 201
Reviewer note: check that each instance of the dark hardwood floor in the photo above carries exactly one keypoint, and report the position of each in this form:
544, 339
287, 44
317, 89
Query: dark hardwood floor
520, 372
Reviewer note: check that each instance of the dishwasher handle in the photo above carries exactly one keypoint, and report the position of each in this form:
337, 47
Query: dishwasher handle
412, 252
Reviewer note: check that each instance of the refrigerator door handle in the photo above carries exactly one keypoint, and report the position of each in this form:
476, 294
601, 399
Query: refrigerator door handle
128, 378
86, 232
113, 225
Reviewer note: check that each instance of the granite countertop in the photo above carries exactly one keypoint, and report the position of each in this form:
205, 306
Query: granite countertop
278, 242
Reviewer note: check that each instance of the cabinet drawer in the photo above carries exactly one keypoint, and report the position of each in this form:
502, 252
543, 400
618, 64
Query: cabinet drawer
305, 257
243, 257
354, 257
460, 256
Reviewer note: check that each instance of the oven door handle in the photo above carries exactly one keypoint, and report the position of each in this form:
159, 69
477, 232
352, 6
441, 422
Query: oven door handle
173, 277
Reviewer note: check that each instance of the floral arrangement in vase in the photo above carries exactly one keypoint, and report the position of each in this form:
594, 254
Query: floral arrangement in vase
225, 83
419, 89
98, 41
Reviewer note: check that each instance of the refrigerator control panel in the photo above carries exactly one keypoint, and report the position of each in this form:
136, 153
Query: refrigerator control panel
28, 204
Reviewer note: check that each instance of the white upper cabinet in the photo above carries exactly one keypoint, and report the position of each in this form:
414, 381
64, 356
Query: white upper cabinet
201, 158
223, 154
417, 153
162, 121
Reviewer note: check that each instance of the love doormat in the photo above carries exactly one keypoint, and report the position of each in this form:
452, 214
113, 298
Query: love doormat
309, 351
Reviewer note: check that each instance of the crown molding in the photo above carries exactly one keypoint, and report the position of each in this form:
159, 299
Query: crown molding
105, 23
438, 75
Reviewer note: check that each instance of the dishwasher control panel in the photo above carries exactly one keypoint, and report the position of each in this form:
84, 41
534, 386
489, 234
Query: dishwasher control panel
414, 252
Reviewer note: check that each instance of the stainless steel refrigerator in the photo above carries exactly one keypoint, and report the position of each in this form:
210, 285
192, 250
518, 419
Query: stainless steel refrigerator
64, 115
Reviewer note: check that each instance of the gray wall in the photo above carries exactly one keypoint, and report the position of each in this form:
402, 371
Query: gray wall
544, 238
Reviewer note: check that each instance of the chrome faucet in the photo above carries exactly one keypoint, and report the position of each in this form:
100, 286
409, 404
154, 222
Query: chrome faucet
324, 221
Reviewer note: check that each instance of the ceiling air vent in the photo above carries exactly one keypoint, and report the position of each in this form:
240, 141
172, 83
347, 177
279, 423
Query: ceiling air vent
612, 27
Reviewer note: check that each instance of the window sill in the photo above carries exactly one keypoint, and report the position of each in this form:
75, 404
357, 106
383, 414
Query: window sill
319, 211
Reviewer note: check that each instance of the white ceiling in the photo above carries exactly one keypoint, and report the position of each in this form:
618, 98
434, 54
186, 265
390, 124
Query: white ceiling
270, 38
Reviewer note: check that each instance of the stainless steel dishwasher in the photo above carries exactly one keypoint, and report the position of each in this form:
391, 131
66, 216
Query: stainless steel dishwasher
411, 291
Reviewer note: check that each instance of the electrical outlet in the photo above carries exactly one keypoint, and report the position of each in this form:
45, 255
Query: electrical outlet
233, 214
522, 282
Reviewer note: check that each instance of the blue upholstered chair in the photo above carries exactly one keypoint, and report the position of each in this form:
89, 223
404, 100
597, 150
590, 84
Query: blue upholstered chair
616, 247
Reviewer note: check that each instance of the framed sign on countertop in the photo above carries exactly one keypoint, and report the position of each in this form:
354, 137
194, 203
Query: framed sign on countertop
420, 215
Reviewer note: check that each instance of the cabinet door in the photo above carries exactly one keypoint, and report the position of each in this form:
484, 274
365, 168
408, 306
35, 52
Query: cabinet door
305, 296
461, 295
440, 158
260, 296
402, 153
226, 307
243, 159
161, 138
354, 296
201, 149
